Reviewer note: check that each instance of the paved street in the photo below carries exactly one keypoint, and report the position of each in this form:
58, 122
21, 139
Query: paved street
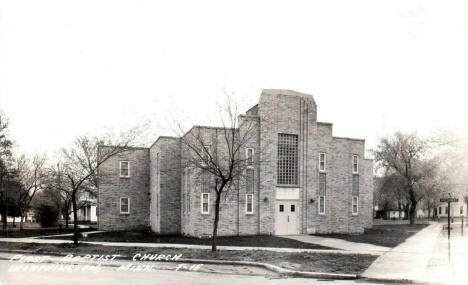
164, 274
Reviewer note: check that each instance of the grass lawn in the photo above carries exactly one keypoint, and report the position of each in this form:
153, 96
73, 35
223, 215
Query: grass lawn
146, 236
383, 235
37, 232
318, 262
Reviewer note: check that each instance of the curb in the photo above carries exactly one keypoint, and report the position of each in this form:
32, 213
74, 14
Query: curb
274, 268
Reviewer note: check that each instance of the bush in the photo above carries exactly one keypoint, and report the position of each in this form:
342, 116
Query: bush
47, 215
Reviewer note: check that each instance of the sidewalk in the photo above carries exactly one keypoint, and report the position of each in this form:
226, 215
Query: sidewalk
363, 248
170, 245
409, 260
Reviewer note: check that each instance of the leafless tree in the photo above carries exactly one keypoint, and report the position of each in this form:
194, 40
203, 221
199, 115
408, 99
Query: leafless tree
217, 153
406, 155
82, 160
31, 174
5, 163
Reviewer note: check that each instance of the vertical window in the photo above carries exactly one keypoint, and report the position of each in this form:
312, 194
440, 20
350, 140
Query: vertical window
322, 205
124, 205
293, 208
322, 162
322, 192
440, 210
355, 164
205, 203
355, 205
281, 208
355, 196
124, 169
205, 155
249, 156
249, 204
250, 180
287, 159
461, 210
205, 182
187, 189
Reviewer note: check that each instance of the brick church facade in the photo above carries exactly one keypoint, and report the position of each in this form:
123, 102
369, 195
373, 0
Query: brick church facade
301, 180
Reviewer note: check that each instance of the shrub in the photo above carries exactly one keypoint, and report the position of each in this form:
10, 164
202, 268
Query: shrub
47, 215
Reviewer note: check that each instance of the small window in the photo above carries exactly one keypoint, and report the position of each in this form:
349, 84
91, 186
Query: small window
440, 210
322, 205
124, 205
205, 203
322, 161
355, 205
461, 210
355, 164
249, 204
249, 156
124, 169
281, 208
293, 208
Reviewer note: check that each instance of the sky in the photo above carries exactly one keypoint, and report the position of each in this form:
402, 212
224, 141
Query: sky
83, 67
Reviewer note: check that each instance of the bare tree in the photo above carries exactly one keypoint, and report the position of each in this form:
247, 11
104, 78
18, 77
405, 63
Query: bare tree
82, 160
406, 155
217, 154
5, 163
31, 174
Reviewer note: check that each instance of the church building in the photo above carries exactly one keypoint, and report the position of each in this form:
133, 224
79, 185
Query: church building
300, 179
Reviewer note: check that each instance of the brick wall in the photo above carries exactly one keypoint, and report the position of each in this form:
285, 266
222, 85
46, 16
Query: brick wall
136, 188
165, 178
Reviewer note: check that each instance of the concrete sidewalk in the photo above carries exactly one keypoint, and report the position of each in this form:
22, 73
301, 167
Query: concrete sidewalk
407, 261
363, 248
170, 245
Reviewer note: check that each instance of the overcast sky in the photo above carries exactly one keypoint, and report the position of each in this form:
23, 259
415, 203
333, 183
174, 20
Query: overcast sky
75, 67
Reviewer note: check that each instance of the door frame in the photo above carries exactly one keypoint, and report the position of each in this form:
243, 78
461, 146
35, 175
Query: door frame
296, 202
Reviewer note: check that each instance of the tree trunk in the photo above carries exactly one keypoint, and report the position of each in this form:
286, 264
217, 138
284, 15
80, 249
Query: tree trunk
75, 220
214, 238
21, 220
4, 220
67, 218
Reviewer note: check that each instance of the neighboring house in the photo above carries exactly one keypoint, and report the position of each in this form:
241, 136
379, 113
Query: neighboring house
87, 211
301, 180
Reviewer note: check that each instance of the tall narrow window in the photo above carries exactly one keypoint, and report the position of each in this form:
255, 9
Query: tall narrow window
322, 162
322, 205
249, 204
355, 164
205, 155
287, 159
322, 192
124, 205
250, 180
355, 196
355, 205
205, 203
461, 210
249, 156
124, 169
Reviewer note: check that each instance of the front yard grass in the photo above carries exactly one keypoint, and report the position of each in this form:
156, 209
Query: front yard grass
150, 237
383, 235
316, 262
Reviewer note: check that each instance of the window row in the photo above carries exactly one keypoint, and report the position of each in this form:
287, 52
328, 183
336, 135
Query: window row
322, 193
205, 203
323, 162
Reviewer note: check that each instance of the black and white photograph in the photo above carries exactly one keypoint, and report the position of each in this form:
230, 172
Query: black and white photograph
233, 142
